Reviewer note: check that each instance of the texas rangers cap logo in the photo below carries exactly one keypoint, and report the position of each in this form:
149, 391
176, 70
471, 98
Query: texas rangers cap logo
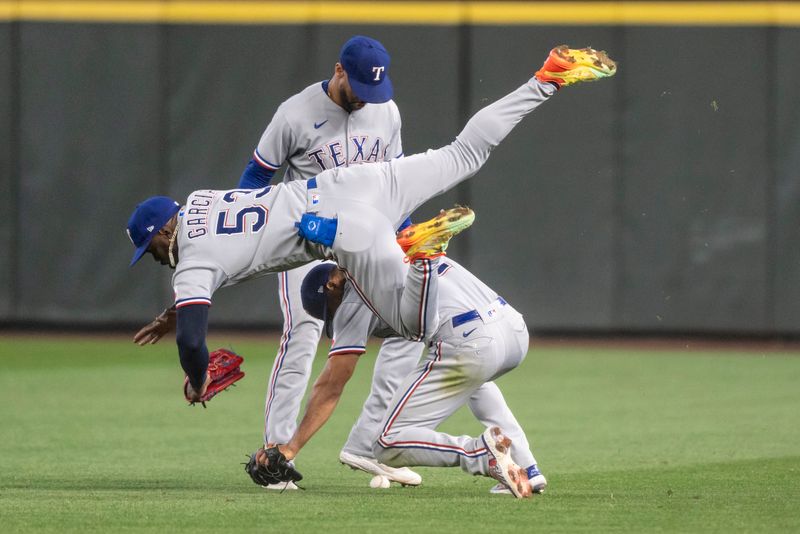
367, 63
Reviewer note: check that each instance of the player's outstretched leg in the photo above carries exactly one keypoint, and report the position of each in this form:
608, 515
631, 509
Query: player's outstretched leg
415, 179
567, 66
406, 183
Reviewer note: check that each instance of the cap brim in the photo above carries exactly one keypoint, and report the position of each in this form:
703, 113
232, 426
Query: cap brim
373, 94
137, 255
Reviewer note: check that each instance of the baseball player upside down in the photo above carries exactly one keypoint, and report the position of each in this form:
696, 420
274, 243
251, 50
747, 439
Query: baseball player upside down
347, 214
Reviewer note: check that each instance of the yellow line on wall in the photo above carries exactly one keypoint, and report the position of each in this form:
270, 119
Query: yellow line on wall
435, 13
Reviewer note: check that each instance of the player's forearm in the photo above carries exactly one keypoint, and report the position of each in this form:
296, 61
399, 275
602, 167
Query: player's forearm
255, 176
319, 410
192, 325
325, 396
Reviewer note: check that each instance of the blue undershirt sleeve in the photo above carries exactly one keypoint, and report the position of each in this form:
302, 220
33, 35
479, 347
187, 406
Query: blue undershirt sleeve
255, 176
191, 328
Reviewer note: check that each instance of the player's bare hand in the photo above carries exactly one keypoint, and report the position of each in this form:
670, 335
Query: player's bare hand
161, 326
195, 396
288, 451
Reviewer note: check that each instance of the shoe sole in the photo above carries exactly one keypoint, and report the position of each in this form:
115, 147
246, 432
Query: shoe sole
403, 476
576, 65
436, 233
504, 469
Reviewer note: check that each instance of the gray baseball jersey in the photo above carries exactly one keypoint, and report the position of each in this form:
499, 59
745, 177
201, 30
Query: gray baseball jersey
311, 133
226, 237
459, 291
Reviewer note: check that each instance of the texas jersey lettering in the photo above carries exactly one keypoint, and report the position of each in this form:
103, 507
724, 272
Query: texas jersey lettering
361, 149
311, 133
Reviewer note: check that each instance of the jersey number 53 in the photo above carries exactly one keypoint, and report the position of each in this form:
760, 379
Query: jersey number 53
253, 216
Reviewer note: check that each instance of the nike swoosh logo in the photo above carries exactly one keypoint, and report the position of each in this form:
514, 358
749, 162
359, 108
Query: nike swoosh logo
318, 125
465, 334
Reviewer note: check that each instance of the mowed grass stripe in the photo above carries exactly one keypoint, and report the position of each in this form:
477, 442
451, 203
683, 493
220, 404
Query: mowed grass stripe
96, 437
707, 498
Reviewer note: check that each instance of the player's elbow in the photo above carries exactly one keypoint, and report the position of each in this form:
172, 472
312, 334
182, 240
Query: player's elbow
189, 341
255, 176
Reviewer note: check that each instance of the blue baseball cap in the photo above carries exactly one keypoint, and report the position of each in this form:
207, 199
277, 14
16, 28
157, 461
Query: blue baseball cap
314, 296
147, 219
366, 62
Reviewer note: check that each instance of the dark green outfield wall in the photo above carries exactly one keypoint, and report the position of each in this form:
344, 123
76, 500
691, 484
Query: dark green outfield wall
664, 200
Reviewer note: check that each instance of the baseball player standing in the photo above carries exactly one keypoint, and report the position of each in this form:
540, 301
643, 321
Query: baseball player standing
350, 119
479, 337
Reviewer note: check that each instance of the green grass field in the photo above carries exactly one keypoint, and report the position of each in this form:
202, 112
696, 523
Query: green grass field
96, 437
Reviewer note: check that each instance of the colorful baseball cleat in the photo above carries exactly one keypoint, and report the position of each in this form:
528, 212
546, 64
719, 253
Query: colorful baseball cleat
536, 481
429, 239
566, 66
501, 467
401, 475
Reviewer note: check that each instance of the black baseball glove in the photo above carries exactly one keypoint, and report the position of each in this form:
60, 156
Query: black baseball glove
270, 466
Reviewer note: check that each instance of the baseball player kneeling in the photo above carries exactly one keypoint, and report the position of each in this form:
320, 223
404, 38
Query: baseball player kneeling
479, 338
